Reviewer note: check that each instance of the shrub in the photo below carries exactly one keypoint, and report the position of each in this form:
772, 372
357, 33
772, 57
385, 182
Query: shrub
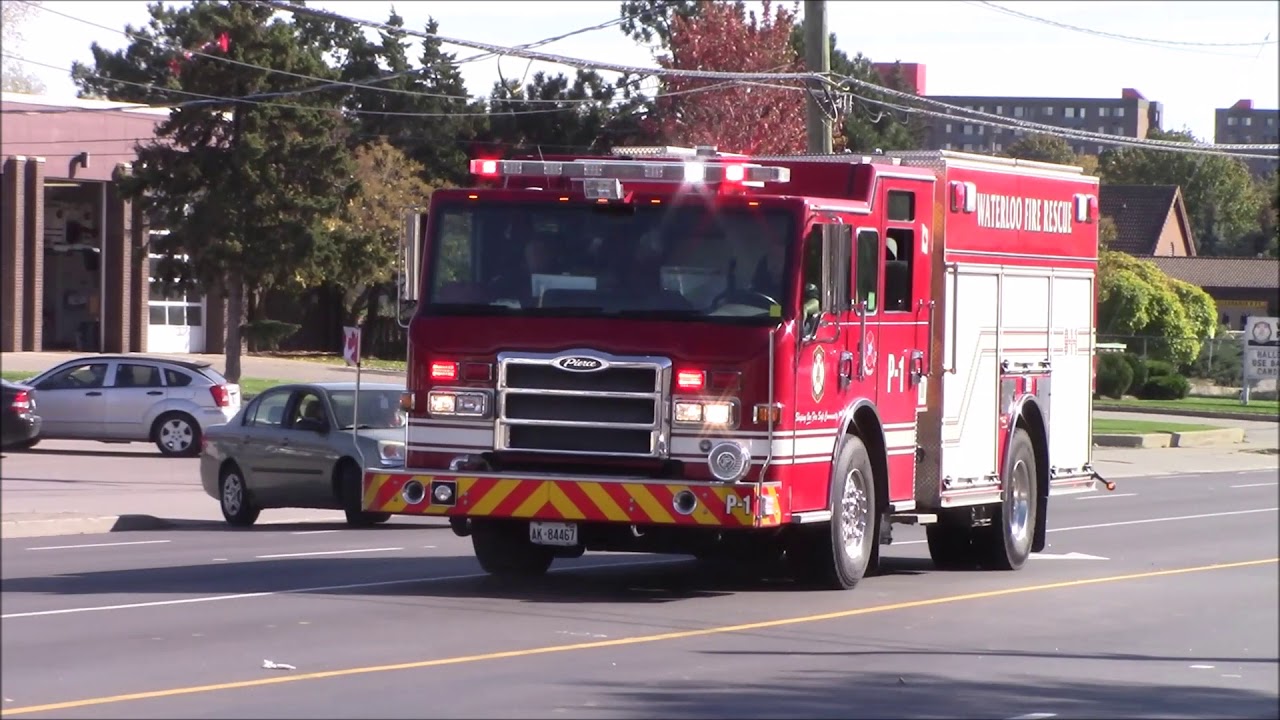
1160, 368
1139, 367
1114, 375
1165, 387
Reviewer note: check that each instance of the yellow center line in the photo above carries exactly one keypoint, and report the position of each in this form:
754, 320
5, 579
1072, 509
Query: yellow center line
636, 640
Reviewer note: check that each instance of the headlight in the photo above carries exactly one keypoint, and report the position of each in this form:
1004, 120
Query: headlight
688, 412
390, 452
464, 403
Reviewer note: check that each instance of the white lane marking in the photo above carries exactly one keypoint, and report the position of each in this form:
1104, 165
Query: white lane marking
1201, 667
1136, 522
1165, 519
1068, 556
1108, 495
326, 552
1232, 676
1273, 483
1034, 716
319, 588
219, 560
312, 532
98, 545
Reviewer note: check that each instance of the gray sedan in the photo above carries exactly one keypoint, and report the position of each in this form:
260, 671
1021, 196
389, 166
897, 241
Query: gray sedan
293, 446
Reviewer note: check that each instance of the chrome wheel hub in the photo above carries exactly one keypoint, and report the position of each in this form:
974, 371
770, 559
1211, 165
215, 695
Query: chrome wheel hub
1020, 488
854, 514
176, 435
232, 494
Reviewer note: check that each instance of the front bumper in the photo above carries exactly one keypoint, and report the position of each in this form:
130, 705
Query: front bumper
586, 499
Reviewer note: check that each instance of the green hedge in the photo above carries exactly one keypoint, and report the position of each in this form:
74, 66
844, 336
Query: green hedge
1114, 375
1165, 387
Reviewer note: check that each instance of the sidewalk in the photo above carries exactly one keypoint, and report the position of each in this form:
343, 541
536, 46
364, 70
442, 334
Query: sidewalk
264, 368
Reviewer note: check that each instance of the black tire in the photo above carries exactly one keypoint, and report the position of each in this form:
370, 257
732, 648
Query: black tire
1006, 543
238, 507
841, 552
176, 434
26, 444
504, 550
350, 491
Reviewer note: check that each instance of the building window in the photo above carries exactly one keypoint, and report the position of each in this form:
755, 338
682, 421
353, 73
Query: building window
968, 147
946, 146
997, 147
982, 129
1120, 112
1271, 122
174, 307
1048, 110
968, 129
1103, 112
1248, 121
1117, 130
1069, 112
999, 109
1017, 111
1101, 148
948, 128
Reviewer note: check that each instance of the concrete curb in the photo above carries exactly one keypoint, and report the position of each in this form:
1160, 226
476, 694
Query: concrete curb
1213, 414
1195, 438
104, 524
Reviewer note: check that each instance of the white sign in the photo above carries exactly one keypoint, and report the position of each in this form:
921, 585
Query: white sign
1261, 348
351, 345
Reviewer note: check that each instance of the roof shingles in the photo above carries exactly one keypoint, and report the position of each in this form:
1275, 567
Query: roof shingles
1222, 272
1139, 213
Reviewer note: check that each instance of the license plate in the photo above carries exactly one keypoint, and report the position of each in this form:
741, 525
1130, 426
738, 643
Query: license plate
553, 533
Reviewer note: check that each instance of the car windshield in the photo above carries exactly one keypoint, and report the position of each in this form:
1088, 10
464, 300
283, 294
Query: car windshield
648, 261
378, 408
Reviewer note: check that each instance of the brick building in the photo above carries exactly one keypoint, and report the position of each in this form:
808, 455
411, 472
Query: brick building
1243, 124
78, 274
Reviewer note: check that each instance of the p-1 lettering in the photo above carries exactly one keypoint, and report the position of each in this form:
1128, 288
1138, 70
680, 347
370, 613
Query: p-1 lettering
733, 501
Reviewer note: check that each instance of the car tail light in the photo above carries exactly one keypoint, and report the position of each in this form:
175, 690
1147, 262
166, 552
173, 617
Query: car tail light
221, 396
21, 402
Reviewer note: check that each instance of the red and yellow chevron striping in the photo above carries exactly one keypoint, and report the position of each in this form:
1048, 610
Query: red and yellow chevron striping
580, 500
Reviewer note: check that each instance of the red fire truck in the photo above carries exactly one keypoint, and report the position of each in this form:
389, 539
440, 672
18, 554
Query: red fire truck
685, 351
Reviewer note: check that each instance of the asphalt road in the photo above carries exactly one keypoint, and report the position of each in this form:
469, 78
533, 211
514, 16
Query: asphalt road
1157, 600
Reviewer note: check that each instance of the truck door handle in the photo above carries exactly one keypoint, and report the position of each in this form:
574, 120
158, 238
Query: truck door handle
93, 393
845, 369
155, 392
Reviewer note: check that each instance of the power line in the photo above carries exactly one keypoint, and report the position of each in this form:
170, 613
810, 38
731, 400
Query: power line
1117, 36
706, 74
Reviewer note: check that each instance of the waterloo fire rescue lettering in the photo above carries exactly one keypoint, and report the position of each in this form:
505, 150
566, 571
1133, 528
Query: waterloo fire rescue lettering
723, 418
1009, 212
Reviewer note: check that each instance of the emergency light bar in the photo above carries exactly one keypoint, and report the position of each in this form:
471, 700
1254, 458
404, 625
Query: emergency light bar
680, 172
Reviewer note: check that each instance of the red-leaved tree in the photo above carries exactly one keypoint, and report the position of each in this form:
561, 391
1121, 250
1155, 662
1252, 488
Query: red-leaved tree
737, 117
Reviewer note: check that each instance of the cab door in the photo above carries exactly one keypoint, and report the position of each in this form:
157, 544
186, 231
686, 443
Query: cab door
822, 367
903, 333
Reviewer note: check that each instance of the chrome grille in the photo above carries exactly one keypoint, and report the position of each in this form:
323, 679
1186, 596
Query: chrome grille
615, 409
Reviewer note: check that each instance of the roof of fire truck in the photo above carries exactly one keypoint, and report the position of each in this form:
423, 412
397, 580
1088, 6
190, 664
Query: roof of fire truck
845, 176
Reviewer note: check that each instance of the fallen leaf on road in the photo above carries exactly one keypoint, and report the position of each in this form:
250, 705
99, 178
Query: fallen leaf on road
273, 665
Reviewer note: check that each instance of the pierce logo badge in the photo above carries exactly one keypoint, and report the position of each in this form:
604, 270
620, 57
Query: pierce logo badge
579, 363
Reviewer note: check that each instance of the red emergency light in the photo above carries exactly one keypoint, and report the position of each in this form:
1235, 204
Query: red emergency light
690, 380
444, 370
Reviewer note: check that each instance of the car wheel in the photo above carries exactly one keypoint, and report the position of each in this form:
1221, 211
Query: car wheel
350, 492
176, 435
237, 503
27, 444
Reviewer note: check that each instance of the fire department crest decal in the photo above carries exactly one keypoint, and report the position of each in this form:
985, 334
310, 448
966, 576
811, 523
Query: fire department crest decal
818, 378
869, 354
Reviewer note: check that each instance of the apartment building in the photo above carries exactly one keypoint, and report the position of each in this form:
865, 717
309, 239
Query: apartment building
1243, 124
1130, 115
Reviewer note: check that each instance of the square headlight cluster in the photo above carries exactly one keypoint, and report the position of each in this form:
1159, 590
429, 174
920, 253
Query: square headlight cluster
458, 403
696, 412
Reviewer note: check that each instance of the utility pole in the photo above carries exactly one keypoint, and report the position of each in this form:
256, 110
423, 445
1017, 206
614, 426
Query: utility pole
817, 58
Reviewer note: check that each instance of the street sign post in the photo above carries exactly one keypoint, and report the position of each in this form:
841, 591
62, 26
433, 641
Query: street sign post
1261, 352
351, 354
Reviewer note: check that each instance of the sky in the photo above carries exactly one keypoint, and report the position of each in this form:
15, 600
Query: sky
968, 47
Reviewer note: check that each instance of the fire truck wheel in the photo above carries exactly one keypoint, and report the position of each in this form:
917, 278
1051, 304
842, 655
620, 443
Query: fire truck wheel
842, 555
1006, 543
503, 549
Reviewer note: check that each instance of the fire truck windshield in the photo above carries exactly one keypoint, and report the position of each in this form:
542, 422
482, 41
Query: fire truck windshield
693, 261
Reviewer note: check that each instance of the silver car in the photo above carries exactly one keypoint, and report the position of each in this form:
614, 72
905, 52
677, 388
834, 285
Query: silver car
293, 446
134, 398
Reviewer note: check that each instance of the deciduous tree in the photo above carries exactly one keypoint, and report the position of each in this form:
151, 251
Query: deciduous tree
1042, 148
748, 118
13, 17
242, 185
1221, 198
367, 230
1135, 298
